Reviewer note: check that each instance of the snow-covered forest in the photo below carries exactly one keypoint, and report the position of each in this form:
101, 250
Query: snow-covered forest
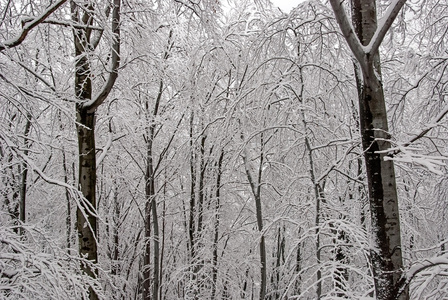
223, 149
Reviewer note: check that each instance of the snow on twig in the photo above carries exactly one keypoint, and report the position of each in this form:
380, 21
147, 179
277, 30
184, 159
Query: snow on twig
404, 154
420, 266
30, 25
383, 26
81, 202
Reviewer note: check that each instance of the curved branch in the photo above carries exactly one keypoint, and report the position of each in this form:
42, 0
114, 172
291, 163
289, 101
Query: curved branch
417, 268
30, 25
99, 99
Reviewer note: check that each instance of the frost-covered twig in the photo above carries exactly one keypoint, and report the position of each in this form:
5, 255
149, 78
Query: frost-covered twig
404, 154
417, 268
28, 272
30, 25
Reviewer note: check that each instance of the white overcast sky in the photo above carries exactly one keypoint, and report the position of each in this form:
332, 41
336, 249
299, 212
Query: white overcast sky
286, 5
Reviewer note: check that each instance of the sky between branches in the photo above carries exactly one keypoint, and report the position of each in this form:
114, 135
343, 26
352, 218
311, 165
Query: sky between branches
286, 5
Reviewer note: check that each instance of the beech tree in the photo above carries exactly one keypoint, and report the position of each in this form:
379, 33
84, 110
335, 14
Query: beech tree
226, 162
86, 216
364, 39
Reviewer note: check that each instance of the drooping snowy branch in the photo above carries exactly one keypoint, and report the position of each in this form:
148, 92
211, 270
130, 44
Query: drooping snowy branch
30, 25
430, 126
418, 267
27, 272
105, 149
77, 196
403, 147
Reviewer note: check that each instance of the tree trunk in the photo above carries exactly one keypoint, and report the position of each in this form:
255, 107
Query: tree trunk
256, 192
151, 207
24, 175
216, 224
386, 257
86, 219
86, 214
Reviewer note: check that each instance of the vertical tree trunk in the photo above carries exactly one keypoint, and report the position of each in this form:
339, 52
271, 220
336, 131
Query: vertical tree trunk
150, 199
86, 221
279, 260
386, 258
191, 223
298, 267
151, 206
318, 189
197, 199
24, 175
68, 219
86, 214
115, 255
256, 192
386, 255
216, 225
319, 195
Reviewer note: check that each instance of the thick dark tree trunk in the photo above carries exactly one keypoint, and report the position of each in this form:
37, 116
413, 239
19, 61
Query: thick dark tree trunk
86, 219
364, 41
386, 258
86, 214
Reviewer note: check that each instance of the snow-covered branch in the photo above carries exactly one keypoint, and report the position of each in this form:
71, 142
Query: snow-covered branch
418, 267
105, 149
348, 32
430, 126
92, 105
383, 26
28, 272
30, 25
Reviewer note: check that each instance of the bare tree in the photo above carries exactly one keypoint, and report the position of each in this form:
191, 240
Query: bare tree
364, 39
86, 216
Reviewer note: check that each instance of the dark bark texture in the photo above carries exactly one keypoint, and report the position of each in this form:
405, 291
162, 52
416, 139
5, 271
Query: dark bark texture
386, 258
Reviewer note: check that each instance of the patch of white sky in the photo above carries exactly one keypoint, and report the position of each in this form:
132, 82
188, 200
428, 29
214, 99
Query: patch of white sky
286, 5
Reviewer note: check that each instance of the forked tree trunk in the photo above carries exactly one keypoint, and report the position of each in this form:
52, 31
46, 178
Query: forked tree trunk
86, 223
387, 259
86, 219
386, 255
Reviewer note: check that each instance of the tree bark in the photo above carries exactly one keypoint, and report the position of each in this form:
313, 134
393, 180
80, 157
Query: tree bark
151, 207
86, 218
386, 256
256, 192
216, 224
24, 174
86, 214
